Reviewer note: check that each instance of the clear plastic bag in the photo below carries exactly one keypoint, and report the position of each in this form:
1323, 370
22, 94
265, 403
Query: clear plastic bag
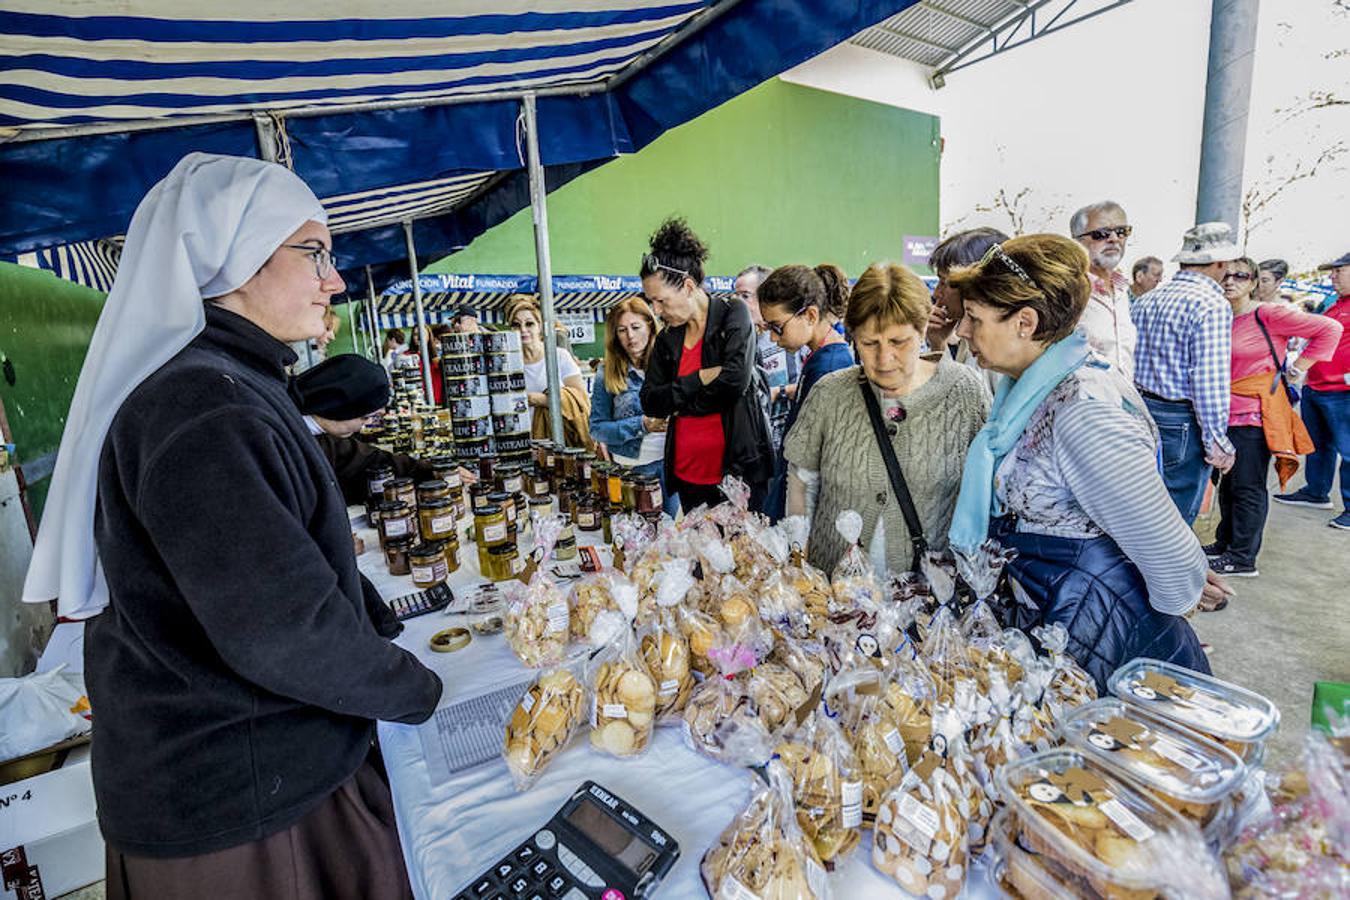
777, 693
782, 607
947, 654
544, 720
41, 709
595, 593
623, 691
538, 619
1069, 686
665, 650
858, 696
827, 785
853, 582
763, 852
920, 837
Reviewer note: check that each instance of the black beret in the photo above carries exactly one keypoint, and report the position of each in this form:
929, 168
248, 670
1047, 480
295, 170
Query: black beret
347, 386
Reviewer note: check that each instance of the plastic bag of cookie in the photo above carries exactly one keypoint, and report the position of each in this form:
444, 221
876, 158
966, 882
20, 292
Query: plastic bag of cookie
853, 583
543, 722
595, 593
665, 650
778, 695
909, 694
763, 852
827, 785
538, 619
623, 691
920, 835
858, 697
1069, 686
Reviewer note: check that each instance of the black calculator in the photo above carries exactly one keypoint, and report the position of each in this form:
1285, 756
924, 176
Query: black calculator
597, 847
419, 603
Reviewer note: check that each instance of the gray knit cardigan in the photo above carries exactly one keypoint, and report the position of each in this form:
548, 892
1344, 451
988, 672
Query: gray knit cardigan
833, 437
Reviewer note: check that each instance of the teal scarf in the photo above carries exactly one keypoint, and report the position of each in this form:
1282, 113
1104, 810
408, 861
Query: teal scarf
1014, 402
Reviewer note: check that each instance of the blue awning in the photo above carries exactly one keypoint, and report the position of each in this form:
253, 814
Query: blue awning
407, 109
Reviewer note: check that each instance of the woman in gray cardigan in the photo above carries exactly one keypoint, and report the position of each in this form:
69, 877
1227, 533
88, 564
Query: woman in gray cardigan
932, 408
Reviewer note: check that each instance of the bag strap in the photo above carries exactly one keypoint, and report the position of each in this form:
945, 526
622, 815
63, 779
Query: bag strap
893, 472
1270, 345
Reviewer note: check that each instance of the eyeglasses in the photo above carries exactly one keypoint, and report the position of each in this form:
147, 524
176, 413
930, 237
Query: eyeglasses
776, 328
1101, 234
650, 264
1237, 276
325, 262
997, 252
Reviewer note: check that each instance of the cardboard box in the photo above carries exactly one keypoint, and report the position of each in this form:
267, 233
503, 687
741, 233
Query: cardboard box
49, 838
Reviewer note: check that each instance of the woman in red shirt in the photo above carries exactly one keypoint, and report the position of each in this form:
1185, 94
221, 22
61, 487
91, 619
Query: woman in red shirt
1260, 422
701, 375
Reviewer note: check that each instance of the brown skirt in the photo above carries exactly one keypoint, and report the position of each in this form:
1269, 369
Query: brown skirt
346, 847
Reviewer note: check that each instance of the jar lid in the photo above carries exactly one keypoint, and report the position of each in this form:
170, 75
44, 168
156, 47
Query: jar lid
542, 500
498, 497
504, 549
436, 503
398, 483
432, 551
395, 507
435, 484
402, 542
491, 509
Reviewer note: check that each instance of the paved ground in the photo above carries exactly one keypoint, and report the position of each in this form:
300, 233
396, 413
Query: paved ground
1287, 628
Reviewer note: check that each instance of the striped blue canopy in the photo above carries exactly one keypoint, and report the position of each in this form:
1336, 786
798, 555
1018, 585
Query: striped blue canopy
406, 109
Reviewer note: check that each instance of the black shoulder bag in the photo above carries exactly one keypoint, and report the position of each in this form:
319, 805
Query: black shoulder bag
1279, 366
897, 477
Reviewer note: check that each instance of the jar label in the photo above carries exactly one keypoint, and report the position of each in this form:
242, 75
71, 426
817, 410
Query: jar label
512, 485
586, 521
423, 574
395, 527
494, 532
656, 496
377, 484
441, 524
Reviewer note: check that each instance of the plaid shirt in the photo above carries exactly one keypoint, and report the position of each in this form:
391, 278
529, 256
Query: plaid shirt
1185, 348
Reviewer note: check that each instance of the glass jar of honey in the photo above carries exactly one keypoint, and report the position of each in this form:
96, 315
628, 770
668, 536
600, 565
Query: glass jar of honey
396, 554
510, 479
396, 520
504, 562
436, 520
571, 463
614, 484
376, 476
540, 506
400, 490
507, 502
489, 526
566, 548
478, 495
647, 494
427, 564
587, 512
450, 549
436, 489
628, 498
540, 482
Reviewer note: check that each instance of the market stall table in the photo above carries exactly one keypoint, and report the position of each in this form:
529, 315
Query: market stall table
452, 830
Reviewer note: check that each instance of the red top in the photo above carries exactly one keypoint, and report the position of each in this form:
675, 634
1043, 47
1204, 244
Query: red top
1330, 375
699, 441
1251, 354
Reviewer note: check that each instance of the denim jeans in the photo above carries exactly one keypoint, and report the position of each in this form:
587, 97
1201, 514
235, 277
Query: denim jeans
670, 501
1327, 415
1184, 469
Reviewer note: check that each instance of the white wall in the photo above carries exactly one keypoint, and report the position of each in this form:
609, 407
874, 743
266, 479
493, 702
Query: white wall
1112, 107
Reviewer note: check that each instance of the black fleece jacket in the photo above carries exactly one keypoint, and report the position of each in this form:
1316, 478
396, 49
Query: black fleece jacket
729, 342
235, 673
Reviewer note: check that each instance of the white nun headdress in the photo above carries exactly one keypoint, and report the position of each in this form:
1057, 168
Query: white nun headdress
202, 232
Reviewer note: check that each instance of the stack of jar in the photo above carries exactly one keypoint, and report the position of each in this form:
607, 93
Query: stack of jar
496, 531
463, 369
505, 367
418, 526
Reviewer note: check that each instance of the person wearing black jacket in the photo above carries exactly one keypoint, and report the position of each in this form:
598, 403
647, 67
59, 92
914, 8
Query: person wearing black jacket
702, 375
236, 672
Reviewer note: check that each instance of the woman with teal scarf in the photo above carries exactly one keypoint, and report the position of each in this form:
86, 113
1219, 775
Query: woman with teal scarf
1064, 472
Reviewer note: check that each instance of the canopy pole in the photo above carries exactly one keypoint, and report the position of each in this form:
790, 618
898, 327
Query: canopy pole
373, 318
1228, 94
421, 313
351, 323
539, 212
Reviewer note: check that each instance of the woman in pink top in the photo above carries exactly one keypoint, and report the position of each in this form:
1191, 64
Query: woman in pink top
1243, 501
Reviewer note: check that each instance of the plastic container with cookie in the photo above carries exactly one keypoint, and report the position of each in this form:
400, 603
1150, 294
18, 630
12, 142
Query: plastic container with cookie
1105, 835
1190, 773
1234, 716
1019, 873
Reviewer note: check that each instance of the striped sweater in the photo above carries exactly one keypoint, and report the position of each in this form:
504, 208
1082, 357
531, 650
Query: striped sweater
1085, 466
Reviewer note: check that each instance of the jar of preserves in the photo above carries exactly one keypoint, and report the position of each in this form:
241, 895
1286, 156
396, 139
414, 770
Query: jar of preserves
540, 482
571, 463
587, 508
396, 520
507, 502
585, 463
446, 468
489, 526
540, 506
504, 562
432, 490
427, 564
401, 490
628, 499
647, 494
544, 456
487, 468
599, 471
450, 549
566, 548
510, 479
396, 554
614, 482
478, 495
567, 497
376, 476
436, 519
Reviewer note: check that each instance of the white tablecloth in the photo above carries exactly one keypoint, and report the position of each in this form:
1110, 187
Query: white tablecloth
452, 831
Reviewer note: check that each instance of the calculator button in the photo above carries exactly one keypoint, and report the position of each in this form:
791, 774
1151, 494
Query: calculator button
520, 886
583, 873
545, 839
613, 894
537, 896
556, 885
525, 854
504, 871
575, 894
483, 888
540, 870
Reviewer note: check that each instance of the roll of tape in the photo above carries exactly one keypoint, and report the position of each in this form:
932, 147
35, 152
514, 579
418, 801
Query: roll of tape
450, 640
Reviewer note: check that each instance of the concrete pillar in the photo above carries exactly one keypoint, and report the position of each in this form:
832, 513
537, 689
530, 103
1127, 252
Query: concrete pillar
1228, 91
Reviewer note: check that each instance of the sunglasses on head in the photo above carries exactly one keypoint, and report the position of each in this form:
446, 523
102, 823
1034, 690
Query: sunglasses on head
1237, 276
997, 252
1101, 234
651, 264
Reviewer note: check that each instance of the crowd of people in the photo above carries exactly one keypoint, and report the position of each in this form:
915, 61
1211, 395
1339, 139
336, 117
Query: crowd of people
1037, 397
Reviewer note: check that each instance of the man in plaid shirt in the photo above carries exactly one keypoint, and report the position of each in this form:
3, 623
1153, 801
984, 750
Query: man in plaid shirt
1182, 363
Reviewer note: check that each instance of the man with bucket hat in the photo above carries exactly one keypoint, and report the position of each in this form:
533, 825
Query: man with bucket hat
1182, 363
1325, 408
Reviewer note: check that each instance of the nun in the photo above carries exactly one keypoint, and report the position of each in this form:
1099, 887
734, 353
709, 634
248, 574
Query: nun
196, 527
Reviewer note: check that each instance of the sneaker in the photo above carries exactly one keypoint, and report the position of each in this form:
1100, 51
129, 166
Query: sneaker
1228, 566
1301, 497
1214, 550
1342, 521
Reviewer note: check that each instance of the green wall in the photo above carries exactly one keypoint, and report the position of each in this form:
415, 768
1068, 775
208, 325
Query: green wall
45, 327
781, 174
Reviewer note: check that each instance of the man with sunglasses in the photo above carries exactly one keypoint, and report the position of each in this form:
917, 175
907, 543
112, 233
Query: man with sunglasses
1102, 229
1182, 363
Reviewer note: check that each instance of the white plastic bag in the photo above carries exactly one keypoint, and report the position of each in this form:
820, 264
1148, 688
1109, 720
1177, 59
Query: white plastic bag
39, 710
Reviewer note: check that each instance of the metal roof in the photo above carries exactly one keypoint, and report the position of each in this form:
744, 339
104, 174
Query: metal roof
948, 35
